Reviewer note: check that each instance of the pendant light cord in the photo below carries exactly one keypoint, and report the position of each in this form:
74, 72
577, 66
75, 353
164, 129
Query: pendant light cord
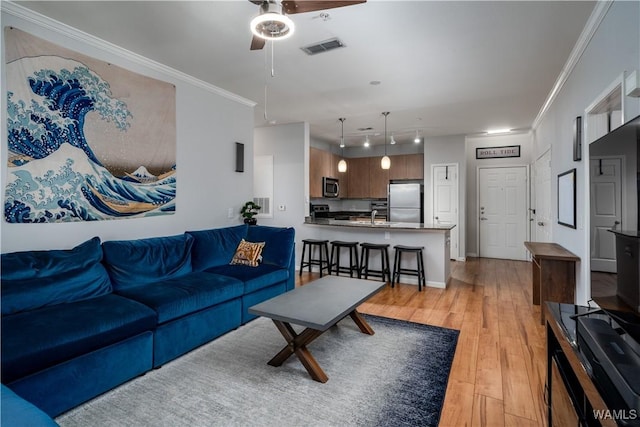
266, 80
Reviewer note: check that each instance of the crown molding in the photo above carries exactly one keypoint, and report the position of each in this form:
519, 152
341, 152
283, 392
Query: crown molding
597, 15
58, 27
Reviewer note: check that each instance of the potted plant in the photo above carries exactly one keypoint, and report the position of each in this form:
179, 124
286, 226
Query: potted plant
248, 211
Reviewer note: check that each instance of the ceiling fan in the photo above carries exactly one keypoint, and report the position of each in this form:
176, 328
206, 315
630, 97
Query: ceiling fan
272, 22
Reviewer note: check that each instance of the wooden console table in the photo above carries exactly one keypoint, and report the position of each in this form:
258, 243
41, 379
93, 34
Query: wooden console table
553, 272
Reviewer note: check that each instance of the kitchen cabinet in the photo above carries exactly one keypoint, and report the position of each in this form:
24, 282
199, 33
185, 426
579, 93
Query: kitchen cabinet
364, 177
318, 166
407, 166
415, 166
398, 168
358, 177
378, 178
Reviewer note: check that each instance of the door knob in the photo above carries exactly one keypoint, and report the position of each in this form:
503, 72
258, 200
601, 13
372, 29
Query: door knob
541, 224
483, 218
615, 225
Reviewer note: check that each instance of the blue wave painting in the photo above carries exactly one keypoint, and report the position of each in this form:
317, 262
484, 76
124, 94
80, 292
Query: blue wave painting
53, 173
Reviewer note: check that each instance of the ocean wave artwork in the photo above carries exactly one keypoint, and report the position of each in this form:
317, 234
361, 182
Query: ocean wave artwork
67, 131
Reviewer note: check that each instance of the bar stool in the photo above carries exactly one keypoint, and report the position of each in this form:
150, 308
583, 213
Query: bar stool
334, 261
397, 265
323, 248
384, 272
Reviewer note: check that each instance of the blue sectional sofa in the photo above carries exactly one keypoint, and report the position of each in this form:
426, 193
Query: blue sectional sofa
78, 322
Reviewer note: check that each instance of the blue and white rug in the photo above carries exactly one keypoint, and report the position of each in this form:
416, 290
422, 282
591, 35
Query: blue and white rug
393, 378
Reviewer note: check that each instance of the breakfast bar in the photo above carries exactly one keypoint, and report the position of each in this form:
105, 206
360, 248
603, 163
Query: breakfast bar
435, 238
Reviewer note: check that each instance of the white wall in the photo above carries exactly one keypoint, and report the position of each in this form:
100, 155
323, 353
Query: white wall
287, 145
524, 140
613, 48
447, 149
209, 122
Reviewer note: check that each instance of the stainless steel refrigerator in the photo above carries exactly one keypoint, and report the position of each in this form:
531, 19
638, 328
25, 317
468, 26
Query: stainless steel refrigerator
405, 202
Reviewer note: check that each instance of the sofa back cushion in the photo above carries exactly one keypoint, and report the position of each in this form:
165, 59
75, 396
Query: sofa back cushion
139, 262
35, 279
216, 247
279, 243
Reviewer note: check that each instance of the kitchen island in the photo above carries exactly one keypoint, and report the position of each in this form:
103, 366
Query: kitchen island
434, 237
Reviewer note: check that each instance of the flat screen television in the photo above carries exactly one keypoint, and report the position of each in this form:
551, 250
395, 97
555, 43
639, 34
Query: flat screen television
614, 175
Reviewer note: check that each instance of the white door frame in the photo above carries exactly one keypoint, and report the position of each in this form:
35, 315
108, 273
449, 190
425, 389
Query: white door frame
599, 105
533, 195
460, 257
527, 198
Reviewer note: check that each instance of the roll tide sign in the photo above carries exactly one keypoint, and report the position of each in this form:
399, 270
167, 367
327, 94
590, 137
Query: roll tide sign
498, 152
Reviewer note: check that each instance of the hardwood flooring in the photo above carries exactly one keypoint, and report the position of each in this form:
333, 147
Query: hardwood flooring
499, 369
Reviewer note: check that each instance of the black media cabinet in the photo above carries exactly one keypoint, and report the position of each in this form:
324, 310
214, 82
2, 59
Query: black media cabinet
576, 393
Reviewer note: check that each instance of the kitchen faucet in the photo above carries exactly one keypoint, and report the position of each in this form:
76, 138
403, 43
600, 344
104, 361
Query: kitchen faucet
373, 215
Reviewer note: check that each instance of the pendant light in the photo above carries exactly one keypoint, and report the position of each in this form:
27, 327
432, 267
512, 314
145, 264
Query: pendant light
385, 163
417, 138
342, 164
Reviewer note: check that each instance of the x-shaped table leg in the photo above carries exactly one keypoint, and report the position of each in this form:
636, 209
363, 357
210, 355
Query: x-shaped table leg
297, 344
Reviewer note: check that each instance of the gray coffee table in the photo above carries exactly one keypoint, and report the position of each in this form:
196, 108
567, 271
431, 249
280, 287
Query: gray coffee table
317, 306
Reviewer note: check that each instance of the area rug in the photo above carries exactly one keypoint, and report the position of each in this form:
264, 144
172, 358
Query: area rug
398, 376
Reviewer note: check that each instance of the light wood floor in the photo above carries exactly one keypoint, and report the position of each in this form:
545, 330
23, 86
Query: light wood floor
499, 369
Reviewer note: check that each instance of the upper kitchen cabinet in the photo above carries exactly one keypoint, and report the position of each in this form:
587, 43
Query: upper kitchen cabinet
407, 166
319, 166
358, 177
415, 166
378, 178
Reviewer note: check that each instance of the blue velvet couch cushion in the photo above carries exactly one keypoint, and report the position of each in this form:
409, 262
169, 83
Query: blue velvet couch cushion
254, 278
279, 243
35, 279
177, 297
215, 247
17, 412
132, 263
32, 341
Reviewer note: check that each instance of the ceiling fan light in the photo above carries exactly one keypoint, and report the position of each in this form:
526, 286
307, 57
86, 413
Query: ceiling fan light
385, 163
342, 165
272, 25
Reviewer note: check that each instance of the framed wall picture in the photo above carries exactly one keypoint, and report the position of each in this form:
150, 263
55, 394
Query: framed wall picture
567, 198
577, 139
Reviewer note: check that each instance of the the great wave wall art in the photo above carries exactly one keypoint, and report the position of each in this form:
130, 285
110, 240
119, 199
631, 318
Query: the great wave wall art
87, 140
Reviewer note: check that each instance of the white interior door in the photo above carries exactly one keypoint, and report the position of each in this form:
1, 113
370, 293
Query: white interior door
503, 212
542, 202
606, 211
444, 189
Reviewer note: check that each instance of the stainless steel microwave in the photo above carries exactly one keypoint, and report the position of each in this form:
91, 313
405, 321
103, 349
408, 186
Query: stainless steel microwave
330, 187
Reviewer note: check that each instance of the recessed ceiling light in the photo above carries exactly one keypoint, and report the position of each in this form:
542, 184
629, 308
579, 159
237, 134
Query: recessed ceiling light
497, 131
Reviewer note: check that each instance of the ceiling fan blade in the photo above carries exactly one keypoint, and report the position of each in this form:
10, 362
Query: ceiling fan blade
301, 6
257, 43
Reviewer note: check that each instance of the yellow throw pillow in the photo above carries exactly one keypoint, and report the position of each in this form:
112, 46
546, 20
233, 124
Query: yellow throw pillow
248, 253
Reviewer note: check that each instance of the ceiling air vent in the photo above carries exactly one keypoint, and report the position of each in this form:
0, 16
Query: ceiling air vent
324, 46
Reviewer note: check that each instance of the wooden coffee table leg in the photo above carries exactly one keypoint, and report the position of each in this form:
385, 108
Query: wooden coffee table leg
297, 343
362, 324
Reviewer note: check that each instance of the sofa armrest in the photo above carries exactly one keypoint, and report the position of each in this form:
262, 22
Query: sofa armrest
16, 411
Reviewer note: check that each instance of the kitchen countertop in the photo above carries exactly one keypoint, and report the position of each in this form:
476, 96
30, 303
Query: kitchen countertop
379, 224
